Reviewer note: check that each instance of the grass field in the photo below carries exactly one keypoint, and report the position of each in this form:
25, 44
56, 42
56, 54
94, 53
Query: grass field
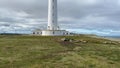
52, 52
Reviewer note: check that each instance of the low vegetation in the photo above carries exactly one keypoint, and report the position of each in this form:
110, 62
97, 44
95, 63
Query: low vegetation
18, 51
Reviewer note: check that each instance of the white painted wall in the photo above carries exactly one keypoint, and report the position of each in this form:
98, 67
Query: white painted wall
55, 33
52, 15
51, 33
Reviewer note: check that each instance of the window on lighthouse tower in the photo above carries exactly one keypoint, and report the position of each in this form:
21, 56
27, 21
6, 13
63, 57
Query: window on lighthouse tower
53, 5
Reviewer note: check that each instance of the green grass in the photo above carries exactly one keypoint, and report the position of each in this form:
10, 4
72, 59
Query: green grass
51, 52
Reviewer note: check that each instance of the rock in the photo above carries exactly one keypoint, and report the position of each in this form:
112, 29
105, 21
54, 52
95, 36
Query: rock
77, 41
83, 41
105, 42
109, 42
65, 39
71, 40
115, 43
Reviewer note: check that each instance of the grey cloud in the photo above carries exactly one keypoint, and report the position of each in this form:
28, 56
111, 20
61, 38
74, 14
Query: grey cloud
96, 15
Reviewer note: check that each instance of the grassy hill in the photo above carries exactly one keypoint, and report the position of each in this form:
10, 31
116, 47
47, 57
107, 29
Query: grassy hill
52, 52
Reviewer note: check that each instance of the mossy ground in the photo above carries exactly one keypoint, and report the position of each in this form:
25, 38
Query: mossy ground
51, 52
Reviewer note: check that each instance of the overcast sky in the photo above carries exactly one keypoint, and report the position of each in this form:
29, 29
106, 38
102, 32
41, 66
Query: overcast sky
100, 17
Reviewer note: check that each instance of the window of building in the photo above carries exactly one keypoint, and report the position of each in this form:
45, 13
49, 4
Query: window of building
53, 7
53, 21
53, 14
53, 32
37, 32
58, 27
48, 27
53, 28
33, 32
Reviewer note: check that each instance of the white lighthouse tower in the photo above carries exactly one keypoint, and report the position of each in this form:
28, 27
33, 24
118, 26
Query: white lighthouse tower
53, 28
52, 15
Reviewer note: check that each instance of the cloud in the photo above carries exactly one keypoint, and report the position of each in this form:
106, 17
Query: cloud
99, 16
